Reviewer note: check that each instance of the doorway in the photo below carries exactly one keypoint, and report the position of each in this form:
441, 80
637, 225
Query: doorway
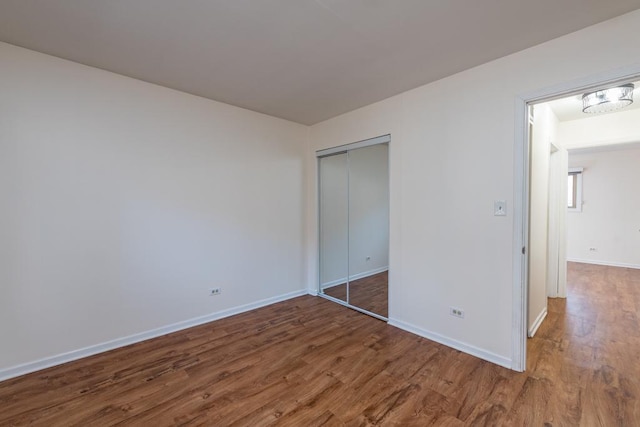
556, 153
354, 225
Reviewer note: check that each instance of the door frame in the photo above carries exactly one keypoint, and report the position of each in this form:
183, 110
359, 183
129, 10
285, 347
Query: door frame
522, 191
558, 168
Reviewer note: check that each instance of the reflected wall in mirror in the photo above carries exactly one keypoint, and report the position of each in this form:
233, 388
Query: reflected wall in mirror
369, 228
334, 222
354, 227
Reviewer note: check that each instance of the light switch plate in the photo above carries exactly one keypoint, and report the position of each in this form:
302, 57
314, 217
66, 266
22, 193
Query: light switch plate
500, 208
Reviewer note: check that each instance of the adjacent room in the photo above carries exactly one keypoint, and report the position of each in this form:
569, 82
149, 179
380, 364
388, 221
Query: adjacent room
585, 251
318, 212
570, 140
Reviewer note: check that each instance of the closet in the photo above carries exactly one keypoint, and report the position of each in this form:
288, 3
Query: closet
354, 225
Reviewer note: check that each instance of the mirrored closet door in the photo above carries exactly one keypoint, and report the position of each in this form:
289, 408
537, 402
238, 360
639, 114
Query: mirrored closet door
354, 225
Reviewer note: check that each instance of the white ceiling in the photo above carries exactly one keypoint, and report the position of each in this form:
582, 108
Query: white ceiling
302, 60
570, 108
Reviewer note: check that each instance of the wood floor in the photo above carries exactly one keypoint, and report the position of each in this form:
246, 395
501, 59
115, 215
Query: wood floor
370, 293
310, 362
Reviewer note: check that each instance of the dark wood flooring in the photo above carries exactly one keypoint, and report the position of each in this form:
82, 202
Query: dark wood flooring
310, 362
370, 293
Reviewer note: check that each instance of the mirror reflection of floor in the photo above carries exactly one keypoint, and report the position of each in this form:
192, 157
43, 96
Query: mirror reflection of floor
369, 293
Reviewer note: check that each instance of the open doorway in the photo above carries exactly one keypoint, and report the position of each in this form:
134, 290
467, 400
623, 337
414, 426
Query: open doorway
583, 214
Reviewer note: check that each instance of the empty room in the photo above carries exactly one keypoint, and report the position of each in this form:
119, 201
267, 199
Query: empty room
319, 212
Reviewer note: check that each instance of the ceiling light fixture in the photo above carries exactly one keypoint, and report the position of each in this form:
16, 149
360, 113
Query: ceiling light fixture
605, 100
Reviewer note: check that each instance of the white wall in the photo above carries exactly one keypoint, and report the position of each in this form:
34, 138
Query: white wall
614, 128
543, 134
368, 210
334, 219
557, 244
610, 217
122, 203
452, 155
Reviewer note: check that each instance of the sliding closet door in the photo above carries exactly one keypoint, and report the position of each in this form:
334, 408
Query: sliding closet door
369, 228
354, 225
334, 223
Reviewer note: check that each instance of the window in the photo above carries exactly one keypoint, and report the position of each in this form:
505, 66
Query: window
574, 194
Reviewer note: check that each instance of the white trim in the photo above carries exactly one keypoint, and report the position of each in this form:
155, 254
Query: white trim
458, 345
521, 196
520, 237
584, 84
538, 322
353, 277
332, 283
70, 356
607, 263
352, 146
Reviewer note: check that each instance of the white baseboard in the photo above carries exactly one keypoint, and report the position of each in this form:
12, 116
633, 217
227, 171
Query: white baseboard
458, 345
534, 328
607, 263
353, 277
26, 368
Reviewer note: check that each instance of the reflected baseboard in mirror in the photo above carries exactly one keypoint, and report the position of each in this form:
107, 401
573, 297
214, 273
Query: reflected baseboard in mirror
369, 293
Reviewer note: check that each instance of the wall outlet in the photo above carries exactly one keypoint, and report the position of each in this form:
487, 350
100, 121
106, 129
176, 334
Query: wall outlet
456, 312
215, 291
